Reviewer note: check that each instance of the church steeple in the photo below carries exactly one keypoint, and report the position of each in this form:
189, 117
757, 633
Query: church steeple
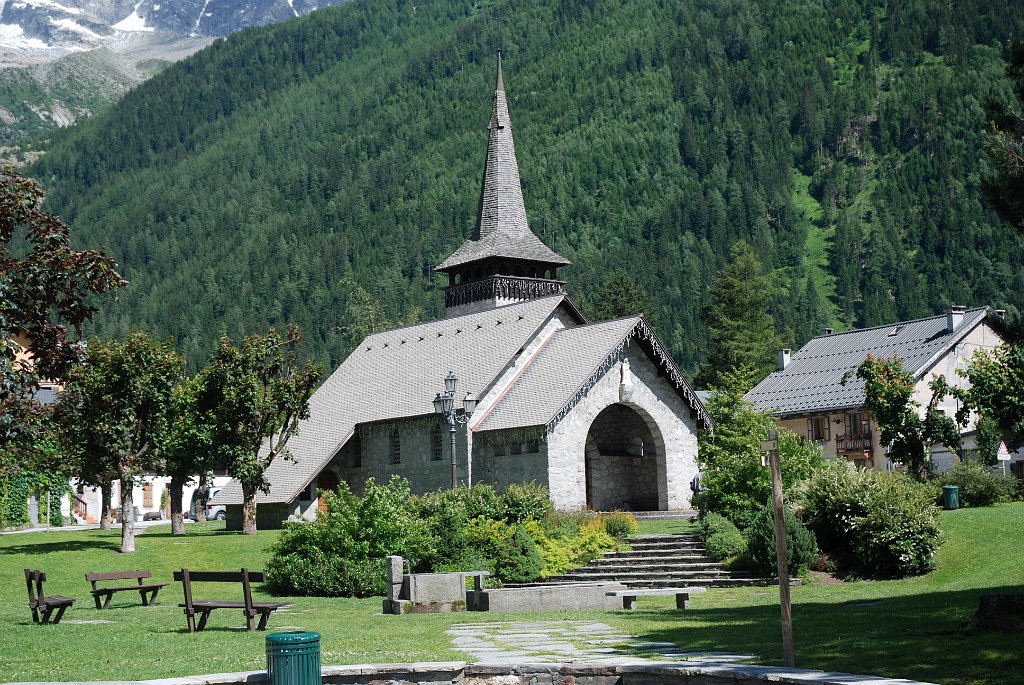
504, 262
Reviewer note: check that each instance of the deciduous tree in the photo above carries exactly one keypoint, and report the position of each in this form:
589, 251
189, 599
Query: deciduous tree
905, 433
116, 411
44, 299
255, 394
997, 389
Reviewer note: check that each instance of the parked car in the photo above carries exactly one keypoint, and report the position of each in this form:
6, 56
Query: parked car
213, 513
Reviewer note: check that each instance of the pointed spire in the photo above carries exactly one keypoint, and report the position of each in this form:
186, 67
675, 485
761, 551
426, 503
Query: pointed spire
501, 226
501, 82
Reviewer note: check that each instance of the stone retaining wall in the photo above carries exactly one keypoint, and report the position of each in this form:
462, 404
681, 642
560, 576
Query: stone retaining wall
638, 672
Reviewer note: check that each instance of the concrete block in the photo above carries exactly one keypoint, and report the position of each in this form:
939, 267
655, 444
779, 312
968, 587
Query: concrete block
546, 598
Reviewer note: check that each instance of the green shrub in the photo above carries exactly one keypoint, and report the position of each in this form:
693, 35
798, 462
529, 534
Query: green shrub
761, 555
711, 523
726, 545
733, 481
874, 524
621, 524
526, 502
722, 539
1017, 489
342, 552
519, 561
979, 487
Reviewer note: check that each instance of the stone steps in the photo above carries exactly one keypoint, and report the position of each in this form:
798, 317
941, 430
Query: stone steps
659, 561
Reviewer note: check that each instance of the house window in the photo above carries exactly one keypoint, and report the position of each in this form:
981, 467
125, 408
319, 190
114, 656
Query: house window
817, 429
498, 451
435, 443
396, 447
532, 447
857, 424
516, 448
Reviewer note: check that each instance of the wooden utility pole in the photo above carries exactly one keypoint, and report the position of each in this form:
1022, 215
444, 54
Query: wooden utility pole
772, 448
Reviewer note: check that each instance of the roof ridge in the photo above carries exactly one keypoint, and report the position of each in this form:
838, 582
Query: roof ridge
894, 323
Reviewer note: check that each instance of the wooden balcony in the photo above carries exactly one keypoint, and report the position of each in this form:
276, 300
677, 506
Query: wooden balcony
854, 442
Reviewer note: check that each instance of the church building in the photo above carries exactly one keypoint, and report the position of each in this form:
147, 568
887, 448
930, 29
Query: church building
597, 412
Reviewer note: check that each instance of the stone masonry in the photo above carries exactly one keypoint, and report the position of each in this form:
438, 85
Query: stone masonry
665, 415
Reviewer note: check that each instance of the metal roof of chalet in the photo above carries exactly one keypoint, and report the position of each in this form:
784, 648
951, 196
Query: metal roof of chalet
568, 365
813, 380
394, 375
501, 226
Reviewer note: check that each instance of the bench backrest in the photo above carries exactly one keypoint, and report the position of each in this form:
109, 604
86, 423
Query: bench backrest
34, 580
243, 576
117, 575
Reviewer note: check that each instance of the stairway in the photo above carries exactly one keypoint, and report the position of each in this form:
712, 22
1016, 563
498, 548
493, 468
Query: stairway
660, 561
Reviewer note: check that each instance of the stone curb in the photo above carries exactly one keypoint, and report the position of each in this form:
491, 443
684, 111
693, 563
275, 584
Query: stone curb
640, 672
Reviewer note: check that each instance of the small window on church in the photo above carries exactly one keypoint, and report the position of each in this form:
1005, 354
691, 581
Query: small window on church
357, 452
532, 447
435, 443
498, 451
516, 448
396, 447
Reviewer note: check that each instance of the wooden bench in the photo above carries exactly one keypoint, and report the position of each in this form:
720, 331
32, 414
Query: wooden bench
41, 605
108, 592
205, 606
682, 594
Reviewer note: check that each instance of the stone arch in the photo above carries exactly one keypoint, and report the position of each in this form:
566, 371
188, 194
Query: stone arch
325, 480
624, 460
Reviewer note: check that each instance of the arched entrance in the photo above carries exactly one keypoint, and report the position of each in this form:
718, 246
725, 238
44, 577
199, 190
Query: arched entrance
325, 480
624, 461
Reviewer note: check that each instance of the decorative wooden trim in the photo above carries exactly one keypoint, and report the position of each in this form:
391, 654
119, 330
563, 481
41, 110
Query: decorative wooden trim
646, 335
504, 287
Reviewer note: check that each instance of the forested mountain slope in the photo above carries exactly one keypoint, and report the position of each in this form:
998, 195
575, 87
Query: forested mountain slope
255, 182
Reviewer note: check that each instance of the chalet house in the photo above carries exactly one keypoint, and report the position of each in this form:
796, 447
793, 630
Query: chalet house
809, 397
597, 412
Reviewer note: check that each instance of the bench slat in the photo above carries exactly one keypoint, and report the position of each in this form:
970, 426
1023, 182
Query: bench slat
219, 576
153, 586
118, 575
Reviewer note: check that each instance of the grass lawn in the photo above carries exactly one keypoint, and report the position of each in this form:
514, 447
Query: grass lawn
909, 628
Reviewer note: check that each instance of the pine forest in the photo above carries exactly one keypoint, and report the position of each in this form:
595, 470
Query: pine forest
314, 172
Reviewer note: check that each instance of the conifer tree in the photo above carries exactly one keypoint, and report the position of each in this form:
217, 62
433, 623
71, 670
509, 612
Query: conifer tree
741, 329
619, 296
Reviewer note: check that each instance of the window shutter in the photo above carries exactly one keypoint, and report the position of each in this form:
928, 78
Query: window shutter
849, 425
810, 429
828, 427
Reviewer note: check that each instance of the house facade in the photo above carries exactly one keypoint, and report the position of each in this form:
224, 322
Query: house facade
810, 397
597, 412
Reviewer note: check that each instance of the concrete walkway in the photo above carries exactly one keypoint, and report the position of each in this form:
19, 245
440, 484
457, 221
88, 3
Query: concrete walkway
505, 642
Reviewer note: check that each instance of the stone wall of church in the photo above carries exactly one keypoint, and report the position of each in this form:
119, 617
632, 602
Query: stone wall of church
667, 416
510, 459
371, 453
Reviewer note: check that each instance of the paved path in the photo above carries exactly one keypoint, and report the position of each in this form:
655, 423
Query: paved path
507, 642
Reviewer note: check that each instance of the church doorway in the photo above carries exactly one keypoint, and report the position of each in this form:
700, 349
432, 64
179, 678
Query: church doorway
326, 480
624, 461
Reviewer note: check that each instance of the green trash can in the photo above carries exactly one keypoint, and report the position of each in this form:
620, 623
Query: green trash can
950, 497
293, 658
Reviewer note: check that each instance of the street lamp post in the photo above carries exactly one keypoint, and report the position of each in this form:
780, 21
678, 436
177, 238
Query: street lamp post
444, 407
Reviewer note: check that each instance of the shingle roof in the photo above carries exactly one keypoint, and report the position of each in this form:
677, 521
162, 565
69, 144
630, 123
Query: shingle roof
813, 380
501, 226
566, 367
563, 365
395, 374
